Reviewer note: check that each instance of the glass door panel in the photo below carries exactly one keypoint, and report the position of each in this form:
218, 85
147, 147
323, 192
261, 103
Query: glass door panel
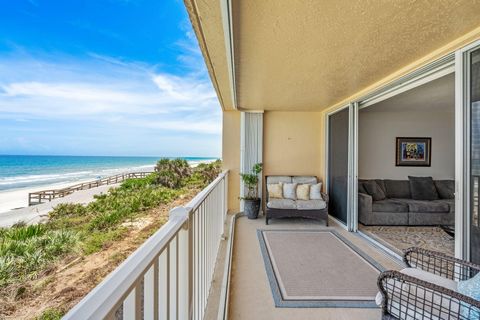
338, 164
475, 155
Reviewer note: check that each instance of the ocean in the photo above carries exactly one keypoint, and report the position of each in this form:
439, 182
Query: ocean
34, 171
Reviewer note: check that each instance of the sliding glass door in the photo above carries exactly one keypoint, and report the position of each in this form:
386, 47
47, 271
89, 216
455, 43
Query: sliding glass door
474, 105
338, 164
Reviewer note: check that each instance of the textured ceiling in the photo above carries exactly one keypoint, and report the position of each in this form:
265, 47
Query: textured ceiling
434, 96
311, 54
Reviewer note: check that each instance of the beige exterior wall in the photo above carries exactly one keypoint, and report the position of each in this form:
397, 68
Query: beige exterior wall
293, 143
231, 156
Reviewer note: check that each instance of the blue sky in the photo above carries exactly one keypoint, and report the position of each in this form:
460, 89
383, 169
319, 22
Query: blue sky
104, 77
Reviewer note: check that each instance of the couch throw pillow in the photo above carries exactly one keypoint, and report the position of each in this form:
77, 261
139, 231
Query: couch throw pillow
290, 191
275, 190
445, 188
423, 188
374, 190
303, 192
315, 191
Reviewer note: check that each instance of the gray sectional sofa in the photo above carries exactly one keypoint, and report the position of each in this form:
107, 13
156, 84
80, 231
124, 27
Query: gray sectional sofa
390, 202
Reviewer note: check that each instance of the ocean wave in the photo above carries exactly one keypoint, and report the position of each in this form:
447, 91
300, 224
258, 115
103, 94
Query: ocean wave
35, 180
42, 177
22, 181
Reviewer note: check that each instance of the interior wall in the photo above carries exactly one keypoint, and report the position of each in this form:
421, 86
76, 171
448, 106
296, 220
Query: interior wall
231, 156
377, 142
292, 143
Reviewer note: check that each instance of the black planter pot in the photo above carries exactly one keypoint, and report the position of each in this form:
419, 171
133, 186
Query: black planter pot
252, 207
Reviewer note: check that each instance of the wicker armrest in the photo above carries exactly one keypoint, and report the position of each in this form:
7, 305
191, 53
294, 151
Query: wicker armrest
440, 264
325, 197
406, 297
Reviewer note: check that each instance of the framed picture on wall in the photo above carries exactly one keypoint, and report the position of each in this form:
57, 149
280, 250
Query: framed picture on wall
413, 152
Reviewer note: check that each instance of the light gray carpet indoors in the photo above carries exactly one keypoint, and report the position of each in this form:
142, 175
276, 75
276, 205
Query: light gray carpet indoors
318, 268
399, 238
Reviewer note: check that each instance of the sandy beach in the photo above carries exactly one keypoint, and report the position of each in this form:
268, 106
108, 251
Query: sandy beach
37, 213
18, 198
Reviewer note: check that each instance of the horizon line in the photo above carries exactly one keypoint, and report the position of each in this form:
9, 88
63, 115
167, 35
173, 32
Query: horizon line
118, 156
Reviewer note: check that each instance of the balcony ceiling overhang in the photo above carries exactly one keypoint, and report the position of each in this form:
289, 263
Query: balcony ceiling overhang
309, 55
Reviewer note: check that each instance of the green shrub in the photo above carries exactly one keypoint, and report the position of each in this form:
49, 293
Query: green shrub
96, 241
122, 203
148, 181
172, 173
22, 233
207, 172
26, 250
51, 314
67, 209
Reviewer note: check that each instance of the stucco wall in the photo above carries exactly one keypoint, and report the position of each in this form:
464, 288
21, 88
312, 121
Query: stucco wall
231, 156
292, 143
376, 143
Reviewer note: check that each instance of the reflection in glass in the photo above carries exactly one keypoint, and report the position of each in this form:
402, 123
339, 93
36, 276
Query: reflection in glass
338, 164
475, 155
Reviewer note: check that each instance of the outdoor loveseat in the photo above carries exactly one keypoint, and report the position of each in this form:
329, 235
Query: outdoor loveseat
289, 206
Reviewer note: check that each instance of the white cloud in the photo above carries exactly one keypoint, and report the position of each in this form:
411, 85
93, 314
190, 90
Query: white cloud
74, 92
184, 89
107, 89
206, 126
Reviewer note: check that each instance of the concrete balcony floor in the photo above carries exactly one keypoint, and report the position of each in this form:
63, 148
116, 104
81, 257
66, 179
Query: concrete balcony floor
250, 294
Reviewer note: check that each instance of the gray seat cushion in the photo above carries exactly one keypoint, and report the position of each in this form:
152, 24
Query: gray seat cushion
311, 204
304, 179
450, 202
445, 188
426, 206
389, 205
397, 189
277, 179
282, 204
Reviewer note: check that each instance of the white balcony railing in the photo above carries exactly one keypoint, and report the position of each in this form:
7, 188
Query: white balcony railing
170, 275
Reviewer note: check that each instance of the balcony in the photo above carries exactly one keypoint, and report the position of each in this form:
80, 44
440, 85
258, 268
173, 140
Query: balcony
206, 264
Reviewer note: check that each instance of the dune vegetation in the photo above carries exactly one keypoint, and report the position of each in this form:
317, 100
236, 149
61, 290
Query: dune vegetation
76, 230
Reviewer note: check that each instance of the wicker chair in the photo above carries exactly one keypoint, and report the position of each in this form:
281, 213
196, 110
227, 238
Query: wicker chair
406, 297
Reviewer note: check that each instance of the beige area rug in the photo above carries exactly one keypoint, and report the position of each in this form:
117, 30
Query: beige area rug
318, 268
399, 238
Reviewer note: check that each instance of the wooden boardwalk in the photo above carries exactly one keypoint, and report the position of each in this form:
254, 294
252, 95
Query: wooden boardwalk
48, 195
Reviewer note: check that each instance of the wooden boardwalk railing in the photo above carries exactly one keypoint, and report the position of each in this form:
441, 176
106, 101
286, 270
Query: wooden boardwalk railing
48, 195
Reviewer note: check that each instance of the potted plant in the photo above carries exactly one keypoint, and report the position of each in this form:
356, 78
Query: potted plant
251, 200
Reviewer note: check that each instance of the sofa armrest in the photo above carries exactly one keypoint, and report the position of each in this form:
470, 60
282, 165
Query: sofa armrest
364, 207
